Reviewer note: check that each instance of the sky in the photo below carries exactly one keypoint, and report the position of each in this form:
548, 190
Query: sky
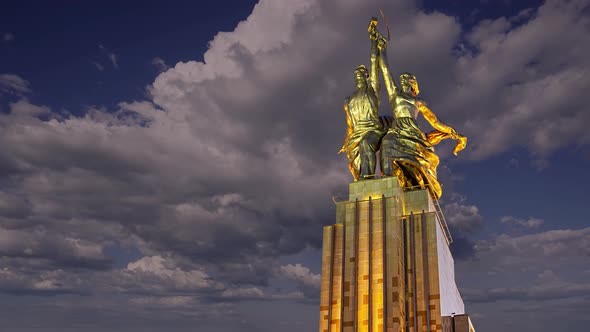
169, 166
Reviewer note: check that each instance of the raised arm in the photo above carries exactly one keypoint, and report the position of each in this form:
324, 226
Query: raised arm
390, 86
374, 70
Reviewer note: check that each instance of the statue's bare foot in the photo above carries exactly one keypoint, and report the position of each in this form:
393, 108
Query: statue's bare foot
461, 144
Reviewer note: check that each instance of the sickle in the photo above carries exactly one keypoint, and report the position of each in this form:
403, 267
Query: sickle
386, 24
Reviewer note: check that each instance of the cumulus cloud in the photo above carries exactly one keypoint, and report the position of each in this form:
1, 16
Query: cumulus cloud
307, 282
518, 76
302, 274
245, 293
14, 84
547, 286
61, 251
47, 283
155, 266
167, 301
537, 250
526, 223
160, 64
508, 262
463, 218
169, 169
535, 275
232, 162
542, 292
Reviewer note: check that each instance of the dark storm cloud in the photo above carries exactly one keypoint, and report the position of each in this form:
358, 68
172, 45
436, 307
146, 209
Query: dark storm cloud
462, 247
64, 252
529, 267
463, 220
124, 314
540, 250
528, 281
535, 293
526, 81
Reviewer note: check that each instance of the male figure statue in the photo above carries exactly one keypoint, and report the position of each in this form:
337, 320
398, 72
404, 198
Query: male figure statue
362, 116
406, 151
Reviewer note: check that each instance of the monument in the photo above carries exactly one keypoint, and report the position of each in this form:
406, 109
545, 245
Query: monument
386, 263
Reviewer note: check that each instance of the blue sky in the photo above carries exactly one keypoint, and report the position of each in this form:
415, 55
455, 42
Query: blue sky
62, 39
167, 165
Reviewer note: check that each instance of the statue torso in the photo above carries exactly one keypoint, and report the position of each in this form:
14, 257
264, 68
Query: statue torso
405, 105
363, 107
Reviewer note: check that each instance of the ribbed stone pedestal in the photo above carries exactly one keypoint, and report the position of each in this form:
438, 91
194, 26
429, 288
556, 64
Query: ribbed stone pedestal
386, 264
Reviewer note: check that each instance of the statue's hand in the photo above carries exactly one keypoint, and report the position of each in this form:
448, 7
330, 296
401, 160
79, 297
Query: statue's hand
382, 43
373, 33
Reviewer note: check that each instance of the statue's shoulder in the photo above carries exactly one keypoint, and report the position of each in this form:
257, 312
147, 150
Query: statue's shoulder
415, 101
419, 101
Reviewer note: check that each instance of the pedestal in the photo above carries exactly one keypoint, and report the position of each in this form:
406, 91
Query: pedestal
386, 263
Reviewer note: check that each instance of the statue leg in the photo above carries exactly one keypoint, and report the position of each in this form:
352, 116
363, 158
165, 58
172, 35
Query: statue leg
385, 154
368, 147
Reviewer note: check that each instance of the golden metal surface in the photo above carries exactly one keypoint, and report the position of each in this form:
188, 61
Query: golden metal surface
380, 262
364, 131
406, 151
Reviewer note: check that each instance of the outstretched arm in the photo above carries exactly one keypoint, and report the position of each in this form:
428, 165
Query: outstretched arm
442, 131
433, 120
392, 90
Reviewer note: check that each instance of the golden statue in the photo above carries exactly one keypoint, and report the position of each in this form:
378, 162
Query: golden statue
406, 151
362, 116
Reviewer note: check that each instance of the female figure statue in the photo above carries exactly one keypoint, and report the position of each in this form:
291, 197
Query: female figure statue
406, 151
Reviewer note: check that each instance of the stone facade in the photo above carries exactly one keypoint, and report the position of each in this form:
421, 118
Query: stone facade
381, 260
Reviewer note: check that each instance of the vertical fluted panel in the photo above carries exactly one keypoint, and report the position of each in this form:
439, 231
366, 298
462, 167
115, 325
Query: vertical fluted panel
350, 252
395, 282
326, 285
377, 266
380, 268
363, 269
336, 303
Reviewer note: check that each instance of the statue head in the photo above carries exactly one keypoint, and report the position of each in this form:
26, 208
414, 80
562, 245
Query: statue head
361, 74
409, 84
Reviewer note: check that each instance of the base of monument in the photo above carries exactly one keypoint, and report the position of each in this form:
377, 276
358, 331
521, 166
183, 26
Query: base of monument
386, 264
